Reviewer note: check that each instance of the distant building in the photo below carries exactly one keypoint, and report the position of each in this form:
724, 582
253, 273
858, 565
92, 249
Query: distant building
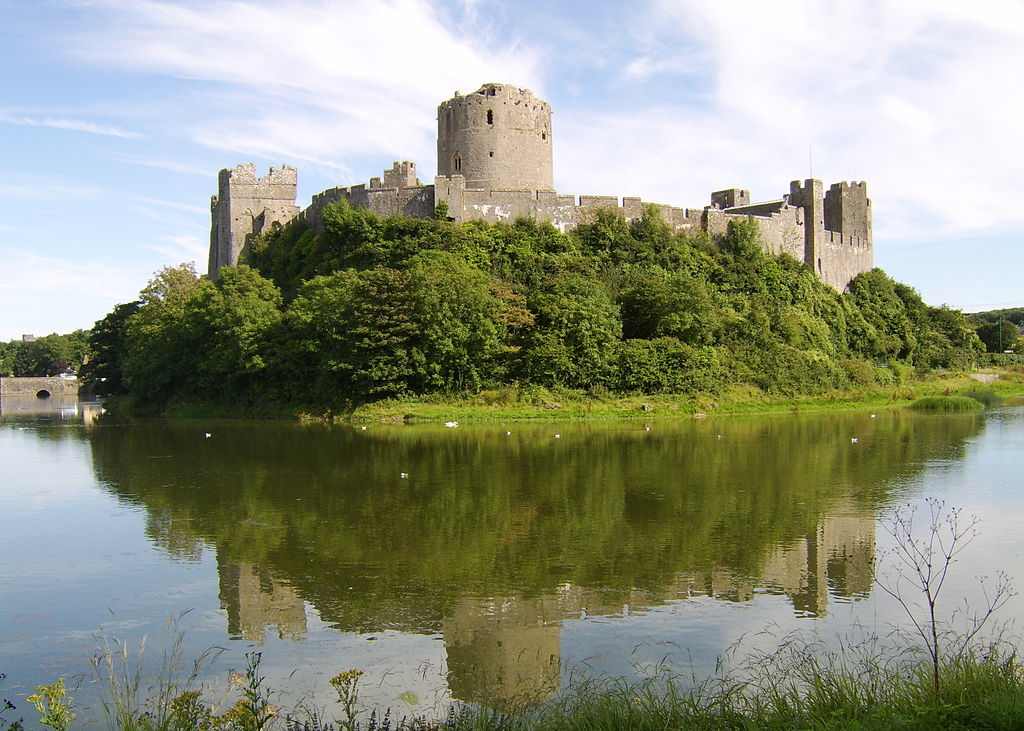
28, 338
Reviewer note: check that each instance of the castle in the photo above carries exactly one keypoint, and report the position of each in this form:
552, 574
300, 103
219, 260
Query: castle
494, 163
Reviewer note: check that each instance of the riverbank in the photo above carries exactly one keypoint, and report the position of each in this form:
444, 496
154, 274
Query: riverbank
854, 688
523, 403
512, 403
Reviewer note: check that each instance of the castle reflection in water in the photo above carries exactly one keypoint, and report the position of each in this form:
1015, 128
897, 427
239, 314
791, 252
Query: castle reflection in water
495, 540
506, 649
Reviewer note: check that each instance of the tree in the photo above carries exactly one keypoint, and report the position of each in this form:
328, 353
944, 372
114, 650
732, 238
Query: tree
229, 323
160, 354
998, 336
578, 329
104, 370
460, 334
351, 334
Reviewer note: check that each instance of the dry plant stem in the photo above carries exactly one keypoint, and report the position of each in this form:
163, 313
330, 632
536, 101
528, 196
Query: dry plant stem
923, 565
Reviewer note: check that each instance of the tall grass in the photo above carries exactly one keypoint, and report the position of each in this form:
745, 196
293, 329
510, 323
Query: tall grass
946, 404
868, 684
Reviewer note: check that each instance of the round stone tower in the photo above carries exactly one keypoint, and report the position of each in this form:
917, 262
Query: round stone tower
498, 138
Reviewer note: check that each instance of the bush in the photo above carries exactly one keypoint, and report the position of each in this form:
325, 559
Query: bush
946, 404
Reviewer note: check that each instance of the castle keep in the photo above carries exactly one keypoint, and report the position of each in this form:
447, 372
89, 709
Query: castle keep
494, 163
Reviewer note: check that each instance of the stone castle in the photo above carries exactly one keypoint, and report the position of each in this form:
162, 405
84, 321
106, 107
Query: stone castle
494, 163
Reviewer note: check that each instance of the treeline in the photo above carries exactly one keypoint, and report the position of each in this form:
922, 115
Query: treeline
1000, 330
374, 307
50, 355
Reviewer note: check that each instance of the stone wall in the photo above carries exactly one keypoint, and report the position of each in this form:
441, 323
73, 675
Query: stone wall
245, 204
412, 202
848, 209
842, 257
55, 387
565, 212
497, 138
782, 232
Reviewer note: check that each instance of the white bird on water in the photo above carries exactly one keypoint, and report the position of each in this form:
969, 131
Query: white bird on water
558, 436
854, 440
208, 435
404, 475
451, 424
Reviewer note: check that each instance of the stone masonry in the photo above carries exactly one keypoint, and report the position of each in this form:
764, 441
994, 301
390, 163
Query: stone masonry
494, 163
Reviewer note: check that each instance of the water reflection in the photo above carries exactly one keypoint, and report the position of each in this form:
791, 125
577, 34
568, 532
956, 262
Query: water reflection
494, 540
63, 408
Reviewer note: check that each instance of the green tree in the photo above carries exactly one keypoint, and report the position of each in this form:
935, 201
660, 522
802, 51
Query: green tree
160, 354
576, 338
998, 336
229, 322
107, 340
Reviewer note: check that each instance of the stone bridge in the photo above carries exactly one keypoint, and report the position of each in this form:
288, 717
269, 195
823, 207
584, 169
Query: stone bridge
42, 388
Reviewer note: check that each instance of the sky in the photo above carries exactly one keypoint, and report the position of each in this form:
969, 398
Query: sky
115, 116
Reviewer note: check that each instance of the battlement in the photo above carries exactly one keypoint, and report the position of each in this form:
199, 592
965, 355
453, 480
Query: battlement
847, 209
494, 163
561, 210
730, 198
244, 205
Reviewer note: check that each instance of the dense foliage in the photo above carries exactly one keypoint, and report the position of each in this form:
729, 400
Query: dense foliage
49, 355
372, 307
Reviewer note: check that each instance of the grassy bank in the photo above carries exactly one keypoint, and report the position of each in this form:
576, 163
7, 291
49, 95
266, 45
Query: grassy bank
532, 403
513, 403
796, 687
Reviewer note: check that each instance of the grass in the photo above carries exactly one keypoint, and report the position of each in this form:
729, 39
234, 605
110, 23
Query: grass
798, 686
522, 403
947, 404
516, 403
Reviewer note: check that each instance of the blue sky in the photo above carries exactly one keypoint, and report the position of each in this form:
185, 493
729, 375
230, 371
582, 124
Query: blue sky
115, 116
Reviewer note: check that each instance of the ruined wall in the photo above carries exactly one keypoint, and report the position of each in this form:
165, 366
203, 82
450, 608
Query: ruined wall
412, 202
842, 257
562, 211
730, 198
782, 232
242, 199
498, 138
848, 209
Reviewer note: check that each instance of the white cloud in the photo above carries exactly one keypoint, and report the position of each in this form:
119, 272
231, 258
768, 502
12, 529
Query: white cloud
182, 248
64, 123
305, 80
44, 294
915, 96
172, 166
173, 205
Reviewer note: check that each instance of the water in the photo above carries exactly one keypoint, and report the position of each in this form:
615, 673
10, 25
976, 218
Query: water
499, 565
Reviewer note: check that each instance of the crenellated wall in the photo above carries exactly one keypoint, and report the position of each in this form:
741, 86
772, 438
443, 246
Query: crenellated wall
494, 164
246, 203
562, 211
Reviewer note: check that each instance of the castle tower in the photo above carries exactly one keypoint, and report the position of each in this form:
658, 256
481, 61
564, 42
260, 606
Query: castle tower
810, 196
497, 138
848, 209
246, 204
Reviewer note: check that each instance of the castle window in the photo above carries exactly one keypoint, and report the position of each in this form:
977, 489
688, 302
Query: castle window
491, 153
543, 135
457, 163
490, 117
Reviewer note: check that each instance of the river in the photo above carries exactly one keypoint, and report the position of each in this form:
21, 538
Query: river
485, 564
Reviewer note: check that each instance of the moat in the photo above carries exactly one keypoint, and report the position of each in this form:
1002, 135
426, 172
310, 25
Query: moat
485, 563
